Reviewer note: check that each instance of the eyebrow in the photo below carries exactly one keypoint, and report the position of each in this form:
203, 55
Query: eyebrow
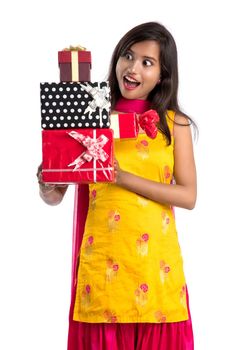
145, 57
151, 58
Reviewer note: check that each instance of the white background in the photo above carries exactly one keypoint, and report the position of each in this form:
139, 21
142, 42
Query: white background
35, 239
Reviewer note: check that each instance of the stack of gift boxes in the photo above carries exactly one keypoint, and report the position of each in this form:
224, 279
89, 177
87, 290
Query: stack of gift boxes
77, 125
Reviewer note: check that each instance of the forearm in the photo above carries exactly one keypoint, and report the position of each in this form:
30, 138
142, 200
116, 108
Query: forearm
170, 194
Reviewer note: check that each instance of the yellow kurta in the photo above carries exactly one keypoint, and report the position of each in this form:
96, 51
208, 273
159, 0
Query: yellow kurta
131, 268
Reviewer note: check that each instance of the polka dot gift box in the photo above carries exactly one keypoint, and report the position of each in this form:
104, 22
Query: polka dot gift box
67, 105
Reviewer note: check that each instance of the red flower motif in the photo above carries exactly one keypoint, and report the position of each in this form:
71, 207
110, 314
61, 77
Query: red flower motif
90, 240
145, 237
147, 122
110, 316
88, 288
115, 267
113, 319
117, 217
167, 173
93, 194
166, 269
144, 143
144, 287
160, 316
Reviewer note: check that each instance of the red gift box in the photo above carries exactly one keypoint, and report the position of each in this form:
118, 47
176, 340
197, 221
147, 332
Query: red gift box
74, 65
124, 125
77, 156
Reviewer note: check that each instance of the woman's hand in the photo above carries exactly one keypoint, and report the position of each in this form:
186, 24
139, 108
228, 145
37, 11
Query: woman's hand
51, 194
44, 188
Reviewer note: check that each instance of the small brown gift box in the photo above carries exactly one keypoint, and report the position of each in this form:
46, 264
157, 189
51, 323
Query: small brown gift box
74, 64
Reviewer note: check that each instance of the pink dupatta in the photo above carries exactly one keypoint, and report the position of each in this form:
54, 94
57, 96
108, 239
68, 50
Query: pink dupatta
81, 203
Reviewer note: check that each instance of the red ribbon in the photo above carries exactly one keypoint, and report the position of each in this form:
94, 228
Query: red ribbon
147, 122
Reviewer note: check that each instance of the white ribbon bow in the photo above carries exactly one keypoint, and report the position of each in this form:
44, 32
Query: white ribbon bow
100, 99
94, 149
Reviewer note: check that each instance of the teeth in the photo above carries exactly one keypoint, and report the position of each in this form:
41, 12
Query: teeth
130, 79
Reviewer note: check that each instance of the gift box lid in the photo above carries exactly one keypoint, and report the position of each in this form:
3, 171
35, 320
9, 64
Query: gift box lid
66, 56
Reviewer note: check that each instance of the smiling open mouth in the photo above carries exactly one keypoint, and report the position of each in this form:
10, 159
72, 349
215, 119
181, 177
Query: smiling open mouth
130, 83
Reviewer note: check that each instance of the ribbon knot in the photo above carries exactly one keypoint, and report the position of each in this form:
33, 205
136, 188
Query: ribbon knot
94, 148
100, 99
148, 121
75, 48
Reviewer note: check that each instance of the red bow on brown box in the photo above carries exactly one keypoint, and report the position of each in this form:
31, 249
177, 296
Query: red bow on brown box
147, 121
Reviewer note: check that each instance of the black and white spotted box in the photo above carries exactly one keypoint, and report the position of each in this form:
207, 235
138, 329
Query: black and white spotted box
67, 105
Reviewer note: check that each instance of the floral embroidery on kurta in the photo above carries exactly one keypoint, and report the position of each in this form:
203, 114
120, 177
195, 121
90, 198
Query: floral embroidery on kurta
167, 174
85, 296
142, 244
165, 221
111, 269
164, 270
110, 316
183, 298
113, 219
141, 295
92, 199
89, 245
143, 149
160, 317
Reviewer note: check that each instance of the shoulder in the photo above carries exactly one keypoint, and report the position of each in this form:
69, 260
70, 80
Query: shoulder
182, 129
181, 119
178, 118
179, 125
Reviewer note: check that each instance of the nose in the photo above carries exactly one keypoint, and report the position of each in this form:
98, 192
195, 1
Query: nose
133, 67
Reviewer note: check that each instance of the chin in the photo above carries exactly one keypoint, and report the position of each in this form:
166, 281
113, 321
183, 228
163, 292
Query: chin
132, 95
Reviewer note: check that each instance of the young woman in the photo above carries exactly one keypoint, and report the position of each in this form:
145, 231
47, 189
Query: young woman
129, 290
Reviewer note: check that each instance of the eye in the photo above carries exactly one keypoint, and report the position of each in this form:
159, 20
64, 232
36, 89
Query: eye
128, 56
147, 63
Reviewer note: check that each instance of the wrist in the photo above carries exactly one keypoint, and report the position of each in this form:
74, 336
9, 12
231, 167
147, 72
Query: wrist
120, 177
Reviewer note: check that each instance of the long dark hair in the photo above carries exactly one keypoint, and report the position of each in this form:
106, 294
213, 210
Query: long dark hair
164, 96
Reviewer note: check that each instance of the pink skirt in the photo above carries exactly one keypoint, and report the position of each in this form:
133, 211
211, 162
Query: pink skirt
131, 336
120, 336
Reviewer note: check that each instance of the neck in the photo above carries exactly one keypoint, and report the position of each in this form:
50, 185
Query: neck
131, 106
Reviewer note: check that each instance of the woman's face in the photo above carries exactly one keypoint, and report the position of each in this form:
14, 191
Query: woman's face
138, 71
